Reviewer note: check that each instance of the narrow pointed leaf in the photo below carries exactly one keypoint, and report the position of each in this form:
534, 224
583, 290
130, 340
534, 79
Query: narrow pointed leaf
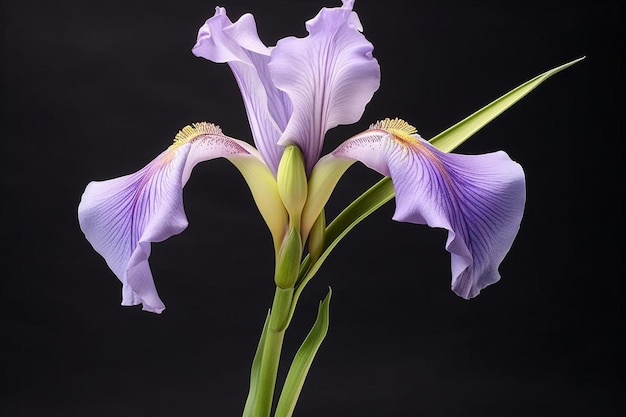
383, 191
303, 360
455, 135
248, 410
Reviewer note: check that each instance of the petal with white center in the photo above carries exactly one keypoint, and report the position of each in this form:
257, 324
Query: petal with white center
330, 76
479, 199
121, 217
238, 44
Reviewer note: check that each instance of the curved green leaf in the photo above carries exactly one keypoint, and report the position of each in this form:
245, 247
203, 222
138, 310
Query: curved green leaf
303, 360
248, 410
455, 135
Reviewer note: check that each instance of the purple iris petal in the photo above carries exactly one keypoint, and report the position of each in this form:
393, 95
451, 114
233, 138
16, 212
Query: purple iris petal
238, 44
479, 199
330, 76
121, 217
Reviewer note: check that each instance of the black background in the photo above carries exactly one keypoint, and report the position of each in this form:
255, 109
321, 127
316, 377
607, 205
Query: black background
94, 90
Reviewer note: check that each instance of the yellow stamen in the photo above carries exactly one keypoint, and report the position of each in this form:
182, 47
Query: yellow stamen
397, 127
190, 133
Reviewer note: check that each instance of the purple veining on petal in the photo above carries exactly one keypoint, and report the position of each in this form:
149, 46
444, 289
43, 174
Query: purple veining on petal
479, 199
121, 217
330, 76
267, 107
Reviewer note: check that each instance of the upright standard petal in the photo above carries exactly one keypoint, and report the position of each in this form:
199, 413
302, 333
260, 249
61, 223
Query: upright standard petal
479, 199
330, 76
267, 107
121, 217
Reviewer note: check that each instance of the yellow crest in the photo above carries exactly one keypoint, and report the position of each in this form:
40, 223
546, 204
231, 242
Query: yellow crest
189, 133
397, 127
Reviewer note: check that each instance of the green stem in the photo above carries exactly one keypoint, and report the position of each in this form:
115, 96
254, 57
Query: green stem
269, 371
271, 351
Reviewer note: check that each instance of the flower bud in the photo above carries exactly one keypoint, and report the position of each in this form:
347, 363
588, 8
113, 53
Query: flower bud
288, 262
317, 237
292, 183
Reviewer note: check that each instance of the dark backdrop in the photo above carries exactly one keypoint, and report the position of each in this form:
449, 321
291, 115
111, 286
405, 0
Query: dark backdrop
93, 90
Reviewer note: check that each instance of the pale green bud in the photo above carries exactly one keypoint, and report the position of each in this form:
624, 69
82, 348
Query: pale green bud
292, 182
281, 309
288, 262
317, 237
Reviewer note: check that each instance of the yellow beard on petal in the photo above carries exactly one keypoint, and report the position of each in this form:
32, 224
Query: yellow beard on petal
398, 128
403, 133
190, 133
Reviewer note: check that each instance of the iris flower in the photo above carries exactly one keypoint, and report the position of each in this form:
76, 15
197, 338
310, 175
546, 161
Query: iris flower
294, 93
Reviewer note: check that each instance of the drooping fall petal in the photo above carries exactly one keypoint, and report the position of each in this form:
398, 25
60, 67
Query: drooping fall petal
121, 217
479, 199
330, 76
238, 44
